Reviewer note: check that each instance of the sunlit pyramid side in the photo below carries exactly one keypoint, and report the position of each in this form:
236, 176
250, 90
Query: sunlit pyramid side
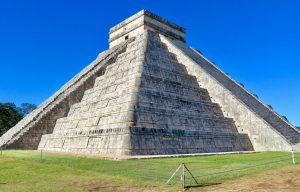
151, 94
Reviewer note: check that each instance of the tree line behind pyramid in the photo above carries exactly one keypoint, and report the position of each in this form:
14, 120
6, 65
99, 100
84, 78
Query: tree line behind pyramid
10, 114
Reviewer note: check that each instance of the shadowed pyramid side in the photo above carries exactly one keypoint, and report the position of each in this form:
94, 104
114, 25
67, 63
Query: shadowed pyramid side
265, 128
174, 115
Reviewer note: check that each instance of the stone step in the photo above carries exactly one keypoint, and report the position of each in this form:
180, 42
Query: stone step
200, 95
91, 130
166, 74
114, 74
187, 128
157, 141
186, 113
139, 129
150, 81
170, 66
290, 134
158, 58
118, 86
147, 97
206, 110
202, 109
143, 107
127, 56
122, 67
110, 99
180, 118
199, 108
118, 77
105, 104
156, 55
103, 119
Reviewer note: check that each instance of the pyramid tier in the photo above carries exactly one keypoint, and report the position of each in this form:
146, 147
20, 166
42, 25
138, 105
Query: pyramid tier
167, 64
149, 81
176, 101
116, 114
153, 116
161, 141
167, 85
109, 141
152, 71
146, 141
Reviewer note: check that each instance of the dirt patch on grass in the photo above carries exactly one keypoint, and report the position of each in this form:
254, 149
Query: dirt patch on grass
96, 186
282, 180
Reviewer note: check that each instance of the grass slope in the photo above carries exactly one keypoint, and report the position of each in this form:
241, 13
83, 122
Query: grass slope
25, 171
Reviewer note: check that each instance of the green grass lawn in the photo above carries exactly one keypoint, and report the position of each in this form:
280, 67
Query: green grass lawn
25, 171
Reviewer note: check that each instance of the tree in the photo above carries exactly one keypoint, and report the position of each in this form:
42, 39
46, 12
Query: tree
26, 108
9, 116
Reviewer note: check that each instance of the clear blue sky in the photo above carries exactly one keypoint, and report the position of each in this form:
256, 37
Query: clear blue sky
45, 43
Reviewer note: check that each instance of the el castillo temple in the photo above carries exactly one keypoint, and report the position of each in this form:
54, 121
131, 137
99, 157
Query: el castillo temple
151, 94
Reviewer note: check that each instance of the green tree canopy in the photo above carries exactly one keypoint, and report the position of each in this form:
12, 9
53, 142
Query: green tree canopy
9, 116
26, 108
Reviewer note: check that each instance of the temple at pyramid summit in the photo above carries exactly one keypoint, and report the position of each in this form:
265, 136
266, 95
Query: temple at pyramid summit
151, 94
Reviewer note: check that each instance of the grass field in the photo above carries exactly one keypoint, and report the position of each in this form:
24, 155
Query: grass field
25, 171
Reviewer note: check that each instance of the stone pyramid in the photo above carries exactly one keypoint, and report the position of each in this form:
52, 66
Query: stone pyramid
149, 94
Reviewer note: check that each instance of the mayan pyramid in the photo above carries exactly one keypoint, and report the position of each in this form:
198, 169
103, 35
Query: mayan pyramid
150, 93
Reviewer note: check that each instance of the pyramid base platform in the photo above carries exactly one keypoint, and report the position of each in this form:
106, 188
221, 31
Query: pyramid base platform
146, 141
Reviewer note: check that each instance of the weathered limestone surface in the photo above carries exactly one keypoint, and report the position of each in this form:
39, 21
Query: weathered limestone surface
101, 122
150, 94
266, 129
145, 103
174, 115
28, 132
